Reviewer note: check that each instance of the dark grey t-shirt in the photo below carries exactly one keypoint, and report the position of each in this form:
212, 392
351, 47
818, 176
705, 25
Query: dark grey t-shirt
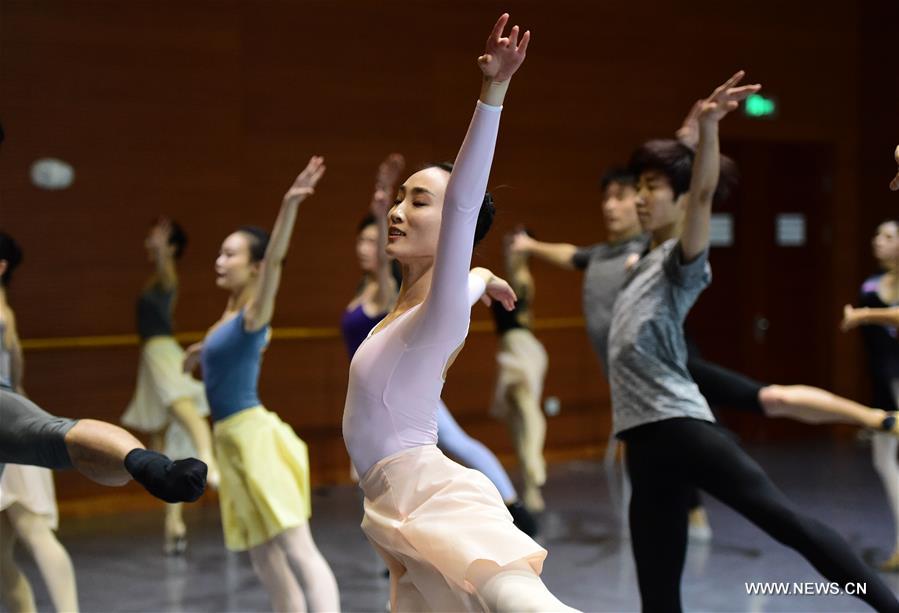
647, 351
606, 271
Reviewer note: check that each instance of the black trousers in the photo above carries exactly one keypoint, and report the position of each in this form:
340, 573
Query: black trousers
667, 460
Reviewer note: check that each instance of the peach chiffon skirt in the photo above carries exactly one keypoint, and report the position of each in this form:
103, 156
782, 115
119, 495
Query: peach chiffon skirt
431, 519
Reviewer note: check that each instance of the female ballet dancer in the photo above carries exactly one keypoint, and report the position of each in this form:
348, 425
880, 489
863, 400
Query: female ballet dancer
673, 443
167, 403
879, 296
102, 452
442, 529
375, 295
519, 386
28, 510
264, 466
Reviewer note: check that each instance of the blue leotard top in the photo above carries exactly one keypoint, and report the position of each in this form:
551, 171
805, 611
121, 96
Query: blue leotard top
231, 360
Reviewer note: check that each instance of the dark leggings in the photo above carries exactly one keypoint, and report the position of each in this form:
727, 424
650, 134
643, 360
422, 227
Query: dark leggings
666, 460
723, 389
30, 435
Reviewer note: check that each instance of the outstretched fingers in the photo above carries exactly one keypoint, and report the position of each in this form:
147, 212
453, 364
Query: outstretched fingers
523, 45
497, 32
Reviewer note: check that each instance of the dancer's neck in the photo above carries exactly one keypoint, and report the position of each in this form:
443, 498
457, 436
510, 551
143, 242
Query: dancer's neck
626, 235
416, 283
240, 298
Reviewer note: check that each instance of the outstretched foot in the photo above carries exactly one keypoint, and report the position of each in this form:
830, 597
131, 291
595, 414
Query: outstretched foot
178, 481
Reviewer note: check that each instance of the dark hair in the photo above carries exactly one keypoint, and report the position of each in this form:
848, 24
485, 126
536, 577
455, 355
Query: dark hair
368, 220
623, 176
674, 160
12, 253
177, 238
258, 240
487, 211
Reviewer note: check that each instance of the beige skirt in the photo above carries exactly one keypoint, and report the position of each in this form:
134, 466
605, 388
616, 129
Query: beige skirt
264, 468
522, 359
431, 519
160, 382
31, 487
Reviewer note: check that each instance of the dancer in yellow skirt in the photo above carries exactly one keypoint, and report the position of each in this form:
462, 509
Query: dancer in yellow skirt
264, 466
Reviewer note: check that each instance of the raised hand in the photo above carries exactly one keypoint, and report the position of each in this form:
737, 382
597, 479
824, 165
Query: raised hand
500, 290
725, 99
160, 234
520, 243
192, 357
850, 320
688, 133
388, 174
304, 185
894, 184
503, 55
390, 169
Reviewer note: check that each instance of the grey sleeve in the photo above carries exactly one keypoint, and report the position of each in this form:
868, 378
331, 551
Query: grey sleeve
581, 257
687, 274
30, 435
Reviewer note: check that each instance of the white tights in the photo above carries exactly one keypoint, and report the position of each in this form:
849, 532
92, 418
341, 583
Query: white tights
294, 550
884, 447
515, 588
18, 523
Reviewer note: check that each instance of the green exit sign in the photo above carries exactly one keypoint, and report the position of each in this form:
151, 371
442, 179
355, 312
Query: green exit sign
757, 105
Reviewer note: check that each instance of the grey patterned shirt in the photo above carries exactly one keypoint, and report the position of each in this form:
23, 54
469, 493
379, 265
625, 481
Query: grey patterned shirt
647, 351
605, 272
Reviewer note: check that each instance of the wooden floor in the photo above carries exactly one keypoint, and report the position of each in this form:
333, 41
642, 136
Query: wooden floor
120, 565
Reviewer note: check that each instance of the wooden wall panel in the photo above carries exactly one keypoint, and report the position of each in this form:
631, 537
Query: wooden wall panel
206, 110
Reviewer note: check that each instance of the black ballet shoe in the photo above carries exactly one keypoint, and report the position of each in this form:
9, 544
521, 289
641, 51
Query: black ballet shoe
179, 481
522, 518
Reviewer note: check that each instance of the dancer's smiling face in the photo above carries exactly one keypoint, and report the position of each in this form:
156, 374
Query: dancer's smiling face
885, 244
656, 205
414, 220
234, 266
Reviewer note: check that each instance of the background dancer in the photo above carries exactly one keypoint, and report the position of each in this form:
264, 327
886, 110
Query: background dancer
167, 404
673, 442
519, 386
264, 493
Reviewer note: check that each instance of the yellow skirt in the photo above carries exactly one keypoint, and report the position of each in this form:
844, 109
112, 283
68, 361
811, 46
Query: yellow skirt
264, 469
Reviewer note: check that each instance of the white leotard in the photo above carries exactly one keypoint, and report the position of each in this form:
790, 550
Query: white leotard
396, 375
